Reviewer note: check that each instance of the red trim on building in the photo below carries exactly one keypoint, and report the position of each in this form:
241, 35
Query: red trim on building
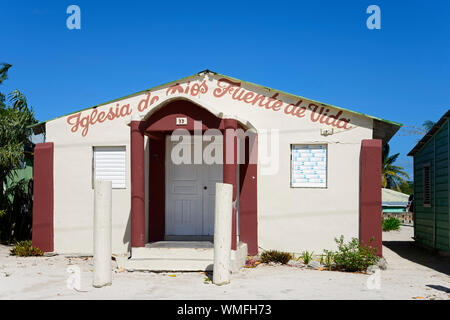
156, 188
370, 210
43, 232
248, 196
163, 122
230, 170
137, 186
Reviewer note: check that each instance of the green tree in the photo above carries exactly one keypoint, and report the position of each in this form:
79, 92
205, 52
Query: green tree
417, 131
4, 67
15, 118
407, 187
392, 176
427, 125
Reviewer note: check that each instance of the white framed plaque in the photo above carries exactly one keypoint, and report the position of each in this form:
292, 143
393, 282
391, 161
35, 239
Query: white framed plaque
181, 121
309, 165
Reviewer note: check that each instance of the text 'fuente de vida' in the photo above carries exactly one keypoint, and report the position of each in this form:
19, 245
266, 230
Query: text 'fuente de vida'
83, 120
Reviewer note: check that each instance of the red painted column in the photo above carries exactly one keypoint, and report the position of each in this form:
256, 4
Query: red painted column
248, 196
370, 209
137, 186
42, 232
156, 189
230, 169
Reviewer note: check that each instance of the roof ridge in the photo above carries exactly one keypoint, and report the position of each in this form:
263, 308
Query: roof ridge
231, 78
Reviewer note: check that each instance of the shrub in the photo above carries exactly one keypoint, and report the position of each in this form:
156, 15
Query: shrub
275, 256
306, 256
353, 256
25, 249
16, 212
391, 223
328, 257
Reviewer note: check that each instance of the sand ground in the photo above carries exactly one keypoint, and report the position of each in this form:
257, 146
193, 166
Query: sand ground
412, 273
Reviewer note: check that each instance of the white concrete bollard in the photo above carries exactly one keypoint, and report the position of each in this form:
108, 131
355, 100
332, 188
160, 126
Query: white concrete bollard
102, 234
222, 234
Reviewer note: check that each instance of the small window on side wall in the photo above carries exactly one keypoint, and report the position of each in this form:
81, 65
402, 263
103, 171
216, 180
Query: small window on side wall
426, 186
308, 166
109, 163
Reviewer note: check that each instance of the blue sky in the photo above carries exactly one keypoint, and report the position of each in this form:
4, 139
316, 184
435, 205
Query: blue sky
318, 49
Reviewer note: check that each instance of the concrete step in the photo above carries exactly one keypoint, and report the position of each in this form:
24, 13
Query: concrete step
190, 250
168, 265
185, 256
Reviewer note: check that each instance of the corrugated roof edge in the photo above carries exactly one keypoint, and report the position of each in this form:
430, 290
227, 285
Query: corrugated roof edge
230, 78
394, 203
429, 134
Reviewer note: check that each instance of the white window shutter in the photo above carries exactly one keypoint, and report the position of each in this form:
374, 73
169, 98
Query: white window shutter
110, 165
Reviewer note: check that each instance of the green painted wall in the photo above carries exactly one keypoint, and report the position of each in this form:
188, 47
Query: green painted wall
431, 224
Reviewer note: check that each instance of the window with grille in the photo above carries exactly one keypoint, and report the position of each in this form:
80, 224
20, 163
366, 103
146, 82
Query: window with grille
426, 186
308, 166
109, 163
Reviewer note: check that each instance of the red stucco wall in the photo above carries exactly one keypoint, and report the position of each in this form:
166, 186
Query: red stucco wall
42, 232
370, 214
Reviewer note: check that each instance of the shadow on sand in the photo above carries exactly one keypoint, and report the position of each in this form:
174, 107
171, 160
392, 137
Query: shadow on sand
410, 251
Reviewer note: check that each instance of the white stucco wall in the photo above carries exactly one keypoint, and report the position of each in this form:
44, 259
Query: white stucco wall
291, 219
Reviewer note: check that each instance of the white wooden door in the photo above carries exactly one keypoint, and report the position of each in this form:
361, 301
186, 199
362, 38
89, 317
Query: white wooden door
190, 196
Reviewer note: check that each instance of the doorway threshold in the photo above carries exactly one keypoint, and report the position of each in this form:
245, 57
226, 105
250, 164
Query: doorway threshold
188, 238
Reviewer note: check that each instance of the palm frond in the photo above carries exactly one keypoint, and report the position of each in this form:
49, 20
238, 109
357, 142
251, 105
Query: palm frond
4, 67
428, 124
392, 176
392, 159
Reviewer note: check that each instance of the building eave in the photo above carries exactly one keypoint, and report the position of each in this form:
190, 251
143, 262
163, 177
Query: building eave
429, 134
